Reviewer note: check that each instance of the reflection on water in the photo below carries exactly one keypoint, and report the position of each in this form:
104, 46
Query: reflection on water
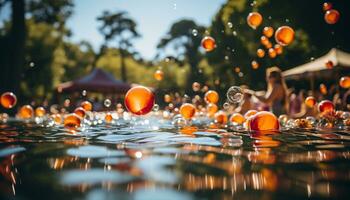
153, 160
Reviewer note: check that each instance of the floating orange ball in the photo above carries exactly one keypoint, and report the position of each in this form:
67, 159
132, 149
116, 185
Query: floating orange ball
310, 101
40, 111
268, 31
208, 43
86, 105
331, 16
8, 100
250, 113
255, 65
260, 53
325, 106
108, 118
72, 121
264, 40
211, 96
187, 110
323, 89
279, 49
57, 118
254, 19
329, 64
221, 117
196, 86
237, 118
272, 53
26, 112
139, 100
284, 35
264, 121
80, 112
327, 6
344, 82
212, 109
158, 75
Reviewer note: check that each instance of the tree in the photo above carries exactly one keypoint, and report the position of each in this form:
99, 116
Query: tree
185, 36
119, 27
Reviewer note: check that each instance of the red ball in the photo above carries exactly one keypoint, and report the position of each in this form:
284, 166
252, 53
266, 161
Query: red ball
264, 121
325, 106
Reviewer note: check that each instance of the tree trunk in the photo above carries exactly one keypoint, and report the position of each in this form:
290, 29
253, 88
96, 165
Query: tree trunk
98, 56
17, 38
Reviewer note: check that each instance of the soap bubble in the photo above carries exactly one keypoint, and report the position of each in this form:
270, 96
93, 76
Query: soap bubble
107, 103
234, 95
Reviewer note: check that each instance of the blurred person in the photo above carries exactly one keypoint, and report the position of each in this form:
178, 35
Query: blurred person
247, 101
276, 95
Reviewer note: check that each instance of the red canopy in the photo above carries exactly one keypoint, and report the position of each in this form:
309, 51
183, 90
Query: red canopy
97, 81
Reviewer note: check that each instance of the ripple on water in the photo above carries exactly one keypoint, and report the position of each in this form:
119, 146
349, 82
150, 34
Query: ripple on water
11, 150
93, 176
91, 151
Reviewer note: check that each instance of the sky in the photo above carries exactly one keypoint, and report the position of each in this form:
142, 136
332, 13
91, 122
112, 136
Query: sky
153, 17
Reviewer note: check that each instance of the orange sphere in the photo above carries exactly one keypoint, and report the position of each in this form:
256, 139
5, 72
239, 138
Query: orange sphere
268, 31
284, 35
329, 64
255, 65
187, 110
264, 121
26, 112
72, 121
331, 16
237, 118
80, 112
254, 19
327, 6
237, 69
108, 118
167, 98
8, 100
211, 96
260, 53
325, 106
279, 49
264, 40
221, 117
139, 100
208, 43
323, 89
86, 105
57, 118
272, 53
344, 82
212, 109
196, 86
250, 113
310, 101
158, 75
40, 112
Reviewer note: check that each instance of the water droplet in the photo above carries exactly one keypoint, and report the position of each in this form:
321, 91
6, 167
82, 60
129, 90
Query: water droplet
229, 24
240, 74
107, 103
226, 106
234, 33
194, 32
178, 121
155, 107
83, 93
31, 64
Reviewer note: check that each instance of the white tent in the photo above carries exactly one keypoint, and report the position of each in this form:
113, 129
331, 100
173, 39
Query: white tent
339, 59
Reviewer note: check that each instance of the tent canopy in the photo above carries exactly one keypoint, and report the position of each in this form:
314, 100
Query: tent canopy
97, 81
337, 57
